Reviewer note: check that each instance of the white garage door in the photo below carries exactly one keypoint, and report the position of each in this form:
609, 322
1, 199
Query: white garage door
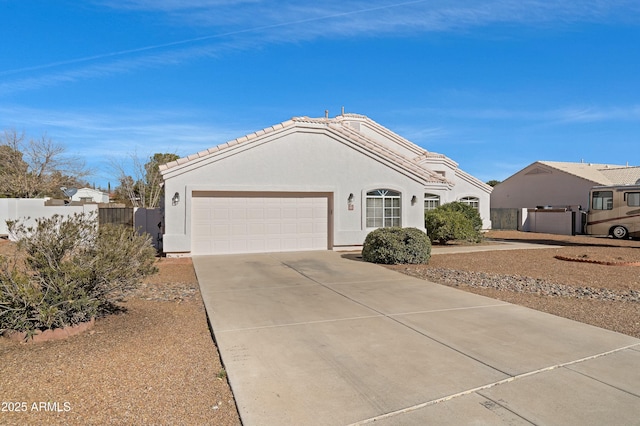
236, 224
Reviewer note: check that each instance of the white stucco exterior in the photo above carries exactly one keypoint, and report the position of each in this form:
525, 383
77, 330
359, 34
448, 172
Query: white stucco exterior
341, 159
559, 184
27, 210
90, 195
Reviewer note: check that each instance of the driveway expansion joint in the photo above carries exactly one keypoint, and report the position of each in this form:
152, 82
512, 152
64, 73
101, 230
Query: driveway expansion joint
490, 385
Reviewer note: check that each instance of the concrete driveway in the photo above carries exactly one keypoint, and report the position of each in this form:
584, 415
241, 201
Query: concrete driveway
314, 338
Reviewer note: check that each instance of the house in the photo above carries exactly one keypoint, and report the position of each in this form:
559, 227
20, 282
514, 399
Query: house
558, 184
307, 184
89, 195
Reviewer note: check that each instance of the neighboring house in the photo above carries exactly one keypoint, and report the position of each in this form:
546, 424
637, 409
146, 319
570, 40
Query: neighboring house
558, 184
89, 195
307, 184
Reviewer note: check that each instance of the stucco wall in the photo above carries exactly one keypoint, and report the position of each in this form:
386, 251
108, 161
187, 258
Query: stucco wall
555, 188
549, 222
28, 209
293, 162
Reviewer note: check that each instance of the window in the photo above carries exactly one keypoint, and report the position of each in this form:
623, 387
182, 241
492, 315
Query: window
633, 199
431, 201
602, 200
383, 208
471, 201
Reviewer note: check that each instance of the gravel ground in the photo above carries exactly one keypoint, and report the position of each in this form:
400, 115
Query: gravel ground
602, 295
157, 363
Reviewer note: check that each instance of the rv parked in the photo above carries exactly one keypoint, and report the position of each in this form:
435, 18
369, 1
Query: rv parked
615, 211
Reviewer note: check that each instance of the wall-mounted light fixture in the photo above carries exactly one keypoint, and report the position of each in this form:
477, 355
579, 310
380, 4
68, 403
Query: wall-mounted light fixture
175, 199
414, 200
350, 199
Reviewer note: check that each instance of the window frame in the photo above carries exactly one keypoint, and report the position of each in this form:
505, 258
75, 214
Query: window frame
383, 208
470, 200
636, 199
603, 199
433, 199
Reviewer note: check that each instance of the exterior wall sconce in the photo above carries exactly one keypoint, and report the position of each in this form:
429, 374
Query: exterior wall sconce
350, 201
175, 199
414, 200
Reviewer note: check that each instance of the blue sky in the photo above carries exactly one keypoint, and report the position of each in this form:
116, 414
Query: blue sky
494, 85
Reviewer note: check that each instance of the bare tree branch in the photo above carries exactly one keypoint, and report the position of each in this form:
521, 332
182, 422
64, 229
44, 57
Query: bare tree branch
143, 187
36, 168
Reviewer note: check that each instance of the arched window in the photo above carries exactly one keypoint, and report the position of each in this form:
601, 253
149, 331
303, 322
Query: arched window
431, 201
383, 208
472, 201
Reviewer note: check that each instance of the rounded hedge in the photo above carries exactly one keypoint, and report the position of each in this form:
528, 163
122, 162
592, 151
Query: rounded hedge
453, 221
395, 245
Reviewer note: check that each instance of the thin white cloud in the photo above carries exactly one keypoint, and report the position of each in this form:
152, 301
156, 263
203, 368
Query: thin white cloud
421, 13
103, 137
562, 115
595, 114
236, 24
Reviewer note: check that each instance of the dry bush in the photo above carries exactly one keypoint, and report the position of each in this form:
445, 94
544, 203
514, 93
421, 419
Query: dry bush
67, 270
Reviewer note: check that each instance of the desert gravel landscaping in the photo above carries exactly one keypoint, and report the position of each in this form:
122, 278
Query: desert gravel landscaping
599, 294
158, 364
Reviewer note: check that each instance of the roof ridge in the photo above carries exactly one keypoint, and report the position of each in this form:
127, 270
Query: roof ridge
236, 141
396, 137
398, 158
572, 171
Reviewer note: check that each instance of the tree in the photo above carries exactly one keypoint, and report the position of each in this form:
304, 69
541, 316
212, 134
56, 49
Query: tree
37, 167
493, 182
144, 188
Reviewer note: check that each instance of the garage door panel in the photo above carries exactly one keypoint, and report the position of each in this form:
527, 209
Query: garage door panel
272, 214
273, 229
221, 230
205, 227
255, 213
258, 224
238, 213
256, 229
239, 229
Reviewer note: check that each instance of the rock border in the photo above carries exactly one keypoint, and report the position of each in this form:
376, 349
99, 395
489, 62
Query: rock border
596, 262
51, 334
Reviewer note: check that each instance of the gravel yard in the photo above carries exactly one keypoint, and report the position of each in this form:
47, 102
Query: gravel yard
602, 295
157, 363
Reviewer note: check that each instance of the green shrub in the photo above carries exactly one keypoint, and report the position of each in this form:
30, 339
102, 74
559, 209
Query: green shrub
68, 270
470, 213
453, 221
396, 245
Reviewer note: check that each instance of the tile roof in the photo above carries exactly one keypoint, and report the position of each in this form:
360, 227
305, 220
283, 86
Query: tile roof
587, 171
600, 174
342, 126
622, 175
